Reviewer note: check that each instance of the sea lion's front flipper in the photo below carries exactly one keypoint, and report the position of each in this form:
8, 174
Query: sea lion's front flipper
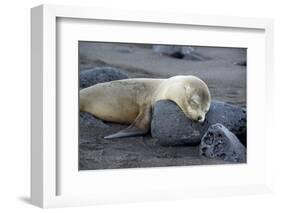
139, 127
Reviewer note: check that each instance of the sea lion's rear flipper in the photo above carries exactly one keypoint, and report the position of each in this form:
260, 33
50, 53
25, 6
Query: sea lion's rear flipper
130, 131
139, 127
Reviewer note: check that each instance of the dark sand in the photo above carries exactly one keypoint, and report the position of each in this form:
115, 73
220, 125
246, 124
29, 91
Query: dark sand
226, 80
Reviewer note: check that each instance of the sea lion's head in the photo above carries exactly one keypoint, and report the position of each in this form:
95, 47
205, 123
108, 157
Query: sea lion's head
197, 99
192, 95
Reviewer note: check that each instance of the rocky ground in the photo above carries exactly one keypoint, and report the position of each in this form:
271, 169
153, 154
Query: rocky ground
223, 69
95, 152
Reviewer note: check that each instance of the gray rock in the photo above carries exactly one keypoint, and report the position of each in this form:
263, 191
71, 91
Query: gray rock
167, 49
191, 54
170, 126
90, 77
194, 56
231, 116
86, 119
180, 52
219, 143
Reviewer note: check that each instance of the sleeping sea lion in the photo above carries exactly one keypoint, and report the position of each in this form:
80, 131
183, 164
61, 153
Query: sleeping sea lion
130, 101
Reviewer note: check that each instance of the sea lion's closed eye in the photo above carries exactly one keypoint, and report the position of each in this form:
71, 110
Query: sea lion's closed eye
193, 103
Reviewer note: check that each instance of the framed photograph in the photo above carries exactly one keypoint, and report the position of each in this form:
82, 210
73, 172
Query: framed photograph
129, 106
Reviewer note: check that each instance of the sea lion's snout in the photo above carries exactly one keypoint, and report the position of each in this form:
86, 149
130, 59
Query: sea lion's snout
200, 119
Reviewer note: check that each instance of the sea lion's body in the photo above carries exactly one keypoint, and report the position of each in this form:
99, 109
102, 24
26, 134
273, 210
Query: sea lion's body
120, 105
130, 101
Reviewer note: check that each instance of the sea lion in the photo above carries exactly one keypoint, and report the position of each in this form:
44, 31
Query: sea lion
130, 101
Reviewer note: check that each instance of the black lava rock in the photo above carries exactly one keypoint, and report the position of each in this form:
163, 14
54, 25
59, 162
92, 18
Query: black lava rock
219, 143
90, 77
231, 116
170, 126
180, 52
170, 50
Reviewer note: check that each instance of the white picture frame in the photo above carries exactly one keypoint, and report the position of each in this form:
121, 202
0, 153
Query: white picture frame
45, 157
